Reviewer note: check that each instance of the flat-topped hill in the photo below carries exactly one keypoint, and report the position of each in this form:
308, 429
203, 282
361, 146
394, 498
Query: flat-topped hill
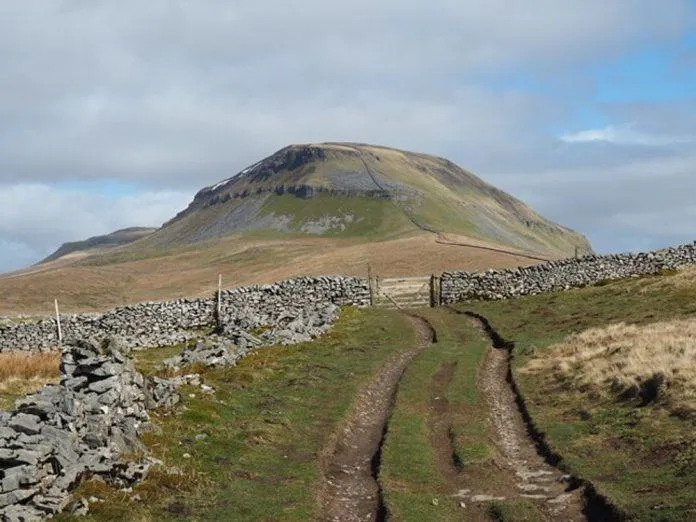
356, 190
315, 209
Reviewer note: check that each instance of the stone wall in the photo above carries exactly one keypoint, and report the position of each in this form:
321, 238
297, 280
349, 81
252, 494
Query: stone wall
170, 322
560, 275
87, 424
64, 432
165, 323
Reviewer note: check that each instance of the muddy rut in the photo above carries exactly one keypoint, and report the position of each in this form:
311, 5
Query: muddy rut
349, 490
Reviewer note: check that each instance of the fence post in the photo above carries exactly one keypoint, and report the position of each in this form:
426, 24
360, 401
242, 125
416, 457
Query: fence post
219, 295
60, 330
370, 282
435, 291
217, 314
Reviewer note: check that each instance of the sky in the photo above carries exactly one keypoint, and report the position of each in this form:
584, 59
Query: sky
115, 113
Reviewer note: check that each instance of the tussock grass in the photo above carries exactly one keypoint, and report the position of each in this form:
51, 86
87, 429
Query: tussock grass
24, 373
640, 458
19, 365
683, 278
629, 361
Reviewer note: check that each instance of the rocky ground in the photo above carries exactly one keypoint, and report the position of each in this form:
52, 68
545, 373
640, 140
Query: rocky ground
532, 476
86, 424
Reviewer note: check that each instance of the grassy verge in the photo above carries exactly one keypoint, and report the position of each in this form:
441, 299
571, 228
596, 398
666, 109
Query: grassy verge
248, 452
416, 485
639, 455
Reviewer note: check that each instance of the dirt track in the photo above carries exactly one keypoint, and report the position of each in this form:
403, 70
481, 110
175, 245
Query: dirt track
349, 489
532, 477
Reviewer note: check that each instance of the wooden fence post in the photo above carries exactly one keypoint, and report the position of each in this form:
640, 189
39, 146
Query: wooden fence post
60, 330
434, 291
219, 295
218, 304
370, 282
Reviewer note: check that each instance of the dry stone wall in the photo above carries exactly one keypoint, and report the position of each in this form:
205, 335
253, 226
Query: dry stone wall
560, 275
291, 307
86, 424
78, 428
165, 323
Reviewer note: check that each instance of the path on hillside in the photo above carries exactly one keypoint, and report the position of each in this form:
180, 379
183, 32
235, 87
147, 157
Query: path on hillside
442, 239
533, 478
349, 464
440, 236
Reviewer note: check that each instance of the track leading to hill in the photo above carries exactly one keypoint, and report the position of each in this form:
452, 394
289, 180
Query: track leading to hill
444, 240
349, 464
533, 476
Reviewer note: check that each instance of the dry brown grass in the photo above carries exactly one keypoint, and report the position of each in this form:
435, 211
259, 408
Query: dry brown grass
24, 373
628, 361
683, 279
29, 365
241, 261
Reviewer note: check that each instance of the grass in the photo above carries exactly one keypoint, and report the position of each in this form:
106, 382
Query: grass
24, 373
372, 218
647, 362
270, 416
242, 260
514, 511
639, 454
414, 483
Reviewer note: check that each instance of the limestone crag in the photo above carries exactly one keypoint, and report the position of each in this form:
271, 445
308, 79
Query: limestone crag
78, 428
561, 275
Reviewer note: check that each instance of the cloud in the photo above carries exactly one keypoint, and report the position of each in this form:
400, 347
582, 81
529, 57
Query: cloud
36, 218
633, 205
624, 135
176, 95
173, 90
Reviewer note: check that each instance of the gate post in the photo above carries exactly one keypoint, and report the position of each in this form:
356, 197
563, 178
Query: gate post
371, 285
435, 291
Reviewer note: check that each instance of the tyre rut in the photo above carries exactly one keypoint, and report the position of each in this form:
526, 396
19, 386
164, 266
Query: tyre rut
535, 477
349, 490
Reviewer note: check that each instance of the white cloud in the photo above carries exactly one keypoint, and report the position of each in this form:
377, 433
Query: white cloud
624, 135
36, 218
179, 95
165, 90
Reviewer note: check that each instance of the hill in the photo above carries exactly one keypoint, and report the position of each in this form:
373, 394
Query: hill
98, 244
353, 190
313, 209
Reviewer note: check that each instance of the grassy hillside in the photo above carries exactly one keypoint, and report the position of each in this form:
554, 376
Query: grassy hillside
122, 276
315, 209
342, 189
97, 244
595, 395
